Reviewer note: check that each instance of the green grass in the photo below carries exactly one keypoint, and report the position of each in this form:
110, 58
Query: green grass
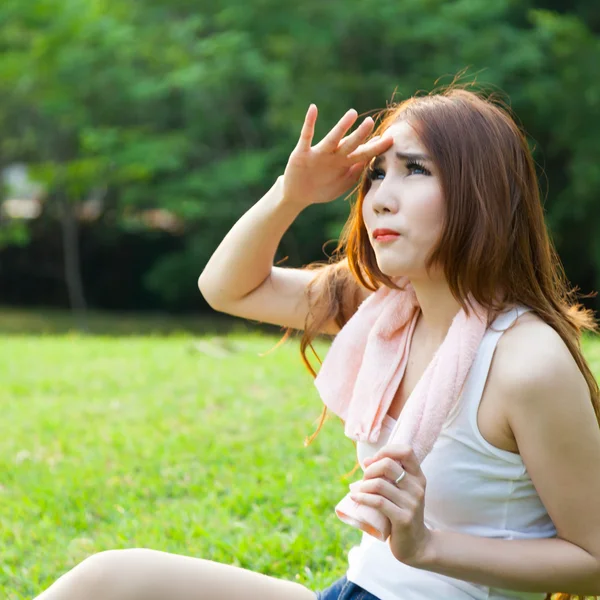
182, 443
149, 442
50, 321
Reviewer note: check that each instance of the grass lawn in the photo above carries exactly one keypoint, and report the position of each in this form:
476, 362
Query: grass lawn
185, 443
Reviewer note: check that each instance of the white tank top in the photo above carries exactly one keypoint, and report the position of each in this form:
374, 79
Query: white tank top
472, 487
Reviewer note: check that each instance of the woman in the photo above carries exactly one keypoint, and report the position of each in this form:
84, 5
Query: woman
513, 495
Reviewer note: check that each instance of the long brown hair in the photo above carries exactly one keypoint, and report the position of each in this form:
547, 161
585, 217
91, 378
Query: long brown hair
494, 235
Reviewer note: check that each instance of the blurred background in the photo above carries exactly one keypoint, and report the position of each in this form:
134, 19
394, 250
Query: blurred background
133, 134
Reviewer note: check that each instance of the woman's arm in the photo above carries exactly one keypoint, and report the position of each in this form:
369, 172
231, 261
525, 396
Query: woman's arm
314, 174
244, 258
553, 421
546, 565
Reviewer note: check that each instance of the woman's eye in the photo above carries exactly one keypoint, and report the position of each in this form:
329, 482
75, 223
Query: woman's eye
374, 173
420, 169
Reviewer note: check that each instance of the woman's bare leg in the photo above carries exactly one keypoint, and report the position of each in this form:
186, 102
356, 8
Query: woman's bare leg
140, 574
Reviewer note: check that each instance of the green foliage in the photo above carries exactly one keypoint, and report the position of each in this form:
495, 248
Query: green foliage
15, 233
194, 107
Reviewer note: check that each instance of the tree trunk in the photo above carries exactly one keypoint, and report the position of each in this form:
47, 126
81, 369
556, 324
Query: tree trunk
72, 263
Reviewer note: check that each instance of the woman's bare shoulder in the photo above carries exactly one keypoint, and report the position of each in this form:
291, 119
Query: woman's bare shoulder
530, 358
532, 349
531, 333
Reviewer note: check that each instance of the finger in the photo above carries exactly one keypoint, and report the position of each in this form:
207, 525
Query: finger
382, 487
409, 460
371, 141
398, 451
404, 454
355, 172
386, 507
308, 128
370, 149
387, 467
344, 140
353, 141
394, 451
331, 141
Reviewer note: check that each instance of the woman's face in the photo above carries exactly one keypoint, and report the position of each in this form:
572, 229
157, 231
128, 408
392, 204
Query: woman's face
405, 196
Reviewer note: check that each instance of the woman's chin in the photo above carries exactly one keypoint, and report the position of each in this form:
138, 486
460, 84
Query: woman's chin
393, 271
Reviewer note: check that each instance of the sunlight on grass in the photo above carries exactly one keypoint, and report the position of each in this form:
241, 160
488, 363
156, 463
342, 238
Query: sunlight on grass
188, 444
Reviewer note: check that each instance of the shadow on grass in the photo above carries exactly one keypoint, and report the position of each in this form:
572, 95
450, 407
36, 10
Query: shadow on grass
40, 321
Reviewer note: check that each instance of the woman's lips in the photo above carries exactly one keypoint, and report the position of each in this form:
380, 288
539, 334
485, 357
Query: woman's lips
387, 237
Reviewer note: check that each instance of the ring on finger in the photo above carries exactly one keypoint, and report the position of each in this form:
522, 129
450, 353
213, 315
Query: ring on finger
400, 478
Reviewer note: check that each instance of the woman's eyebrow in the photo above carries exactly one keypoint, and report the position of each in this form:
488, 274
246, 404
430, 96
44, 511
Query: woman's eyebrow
401, 156
411, 156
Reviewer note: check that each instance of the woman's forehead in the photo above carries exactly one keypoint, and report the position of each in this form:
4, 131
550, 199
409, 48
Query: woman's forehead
406, 141
405, 137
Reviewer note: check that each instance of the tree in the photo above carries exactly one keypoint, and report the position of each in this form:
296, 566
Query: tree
193, 107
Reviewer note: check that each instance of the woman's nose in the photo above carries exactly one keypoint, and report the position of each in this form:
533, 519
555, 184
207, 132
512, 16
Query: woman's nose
384, 201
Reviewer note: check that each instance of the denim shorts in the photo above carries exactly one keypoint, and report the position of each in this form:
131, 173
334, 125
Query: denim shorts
342, 589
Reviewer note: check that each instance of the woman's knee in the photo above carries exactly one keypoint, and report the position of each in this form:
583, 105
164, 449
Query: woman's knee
104, 574
99, 566
89, 579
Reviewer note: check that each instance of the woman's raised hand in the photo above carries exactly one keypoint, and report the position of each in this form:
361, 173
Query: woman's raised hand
322, 173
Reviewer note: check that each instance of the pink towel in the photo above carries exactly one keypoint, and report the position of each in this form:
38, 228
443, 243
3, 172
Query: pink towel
365, 365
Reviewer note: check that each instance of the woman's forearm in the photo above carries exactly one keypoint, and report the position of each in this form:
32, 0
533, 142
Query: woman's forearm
541, 565
243, 260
